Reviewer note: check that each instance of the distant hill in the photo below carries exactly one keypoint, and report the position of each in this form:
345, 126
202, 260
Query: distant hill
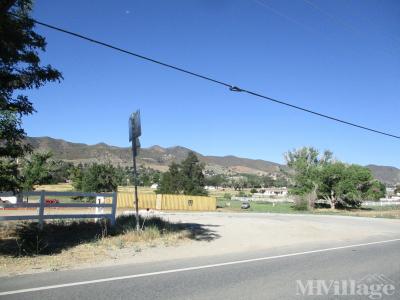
160, 158
387, 174
155, 157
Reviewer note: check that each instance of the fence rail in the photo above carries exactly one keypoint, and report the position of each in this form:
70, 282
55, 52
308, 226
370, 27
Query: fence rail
381, 203
278, 199
42, 205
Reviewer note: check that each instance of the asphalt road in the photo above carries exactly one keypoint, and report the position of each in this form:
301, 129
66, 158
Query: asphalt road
280, 273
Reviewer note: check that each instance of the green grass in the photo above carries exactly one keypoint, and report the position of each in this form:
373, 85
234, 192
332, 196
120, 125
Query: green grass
256, 206
392, 212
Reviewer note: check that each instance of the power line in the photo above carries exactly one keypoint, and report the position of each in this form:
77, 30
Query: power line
230, 86
264, 4
346, 24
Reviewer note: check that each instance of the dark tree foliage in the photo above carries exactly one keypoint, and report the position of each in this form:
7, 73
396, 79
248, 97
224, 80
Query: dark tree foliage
397, 189
97, 178
9, 176
192, 175
20, 70
184, 178
146, 176
61, 171
171, 181
36, 169
342, 185
216, 180
40, 168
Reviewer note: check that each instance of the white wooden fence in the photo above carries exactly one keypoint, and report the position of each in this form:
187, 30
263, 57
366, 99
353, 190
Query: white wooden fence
263, 199
380, 203
42, 205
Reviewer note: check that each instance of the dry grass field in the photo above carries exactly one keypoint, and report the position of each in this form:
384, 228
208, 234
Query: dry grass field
389, 212
67, 244
60, 187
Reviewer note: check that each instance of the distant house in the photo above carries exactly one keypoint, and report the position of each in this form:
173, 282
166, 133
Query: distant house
210, 188
272, 192
390, 191
278, 192
154, 186
390, 199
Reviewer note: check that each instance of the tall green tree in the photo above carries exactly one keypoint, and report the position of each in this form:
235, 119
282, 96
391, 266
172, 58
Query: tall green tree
98, 178
305, 164
216, 180
239, 183
268, 181
171, 181
340, 184
376, 191
76, 175
61, 171
347, 185
20, 70
186, 177
37, 169
192, 175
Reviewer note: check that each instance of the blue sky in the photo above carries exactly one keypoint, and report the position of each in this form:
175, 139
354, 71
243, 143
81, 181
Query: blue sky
339, 57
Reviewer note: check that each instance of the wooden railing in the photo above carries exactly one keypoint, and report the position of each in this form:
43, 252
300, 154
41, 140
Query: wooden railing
42, 205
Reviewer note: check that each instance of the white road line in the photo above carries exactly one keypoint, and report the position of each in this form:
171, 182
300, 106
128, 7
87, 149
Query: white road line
49, 287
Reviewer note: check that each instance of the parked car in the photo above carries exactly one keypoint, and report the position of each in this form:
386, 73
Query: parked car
245, 205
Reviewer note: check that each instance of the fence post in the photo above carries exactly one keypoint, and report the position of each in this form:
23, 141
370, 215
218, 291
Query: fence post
41, 209
113, 208
99, 210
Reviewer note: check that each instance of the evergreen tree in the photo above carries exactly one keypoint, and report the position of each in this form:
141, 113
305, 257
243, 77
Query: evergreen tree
20, 70
184, 178
192, 175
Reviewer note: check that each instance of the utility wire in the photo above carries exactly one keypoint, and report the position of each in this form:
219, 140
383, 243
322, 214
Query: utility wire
347, 25
230, 86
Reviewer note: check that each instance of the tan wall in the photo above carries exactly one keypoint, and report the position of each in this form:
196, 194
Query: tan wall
125, 199
185, 202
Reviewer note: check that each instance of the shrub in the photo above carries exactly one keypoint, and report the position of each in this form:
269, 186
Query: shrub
242, 194
227, 196
300, 203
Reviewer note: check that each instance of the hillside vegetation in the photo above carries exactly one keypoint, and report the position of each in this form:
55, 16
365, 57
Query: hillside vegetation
159, 158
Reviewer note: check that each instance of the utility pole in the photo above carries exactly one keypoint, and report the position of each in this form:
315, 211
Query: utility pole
135, 131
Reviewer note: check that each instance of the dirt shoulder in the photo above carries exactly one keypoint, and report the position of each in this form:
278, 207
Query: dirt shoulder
211, 234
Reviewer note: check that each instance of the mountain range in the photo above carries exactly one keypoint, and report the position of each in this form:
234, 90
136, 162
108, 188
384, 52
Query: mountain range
160, 158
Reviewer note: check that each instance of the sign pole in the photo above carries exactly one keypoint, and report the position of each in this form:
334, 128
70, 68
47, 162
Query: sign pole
135, 130
136, 191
